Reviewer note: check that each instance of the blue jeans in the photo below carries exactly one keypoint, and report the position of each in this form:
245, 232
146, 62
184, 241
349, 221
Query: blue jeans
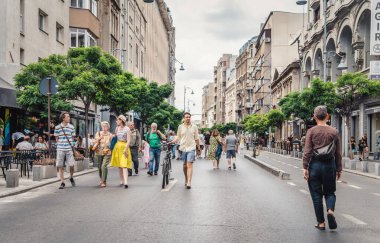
322, 182
173, 151
154, 154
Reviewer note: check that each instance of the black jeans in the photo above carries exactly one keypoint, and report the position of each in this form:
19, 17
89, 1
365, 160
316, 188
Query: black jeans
322, 182
135, 160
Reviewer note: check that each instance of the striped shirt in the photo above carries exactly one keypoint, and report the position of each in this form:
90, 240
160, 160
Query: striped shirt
62, 143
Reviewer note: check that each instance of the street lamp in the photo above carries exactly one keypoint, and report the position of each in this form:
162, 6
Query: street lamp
184, 96
342, 65
181, 68
301, 3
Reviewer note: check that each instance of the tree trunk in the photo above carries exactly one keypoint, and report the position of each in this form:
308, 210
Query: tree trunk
347, 130
87, 106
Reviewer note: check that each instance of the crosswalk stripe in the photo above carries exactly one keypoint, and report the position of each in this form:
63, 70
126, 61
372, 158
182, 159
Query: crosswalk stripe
291, 183
170, 186
304, 191
376, 194
353, 219
356, 187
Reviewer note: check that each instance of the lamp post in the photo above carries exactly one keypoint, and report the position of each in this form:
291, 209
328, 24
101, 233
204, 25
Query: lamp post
325, 40
181, 68
301, 3
185, 88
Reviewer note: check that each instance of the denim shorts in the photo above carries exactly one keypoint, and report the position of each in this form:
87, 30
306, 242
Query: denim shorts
231, 154
188, 157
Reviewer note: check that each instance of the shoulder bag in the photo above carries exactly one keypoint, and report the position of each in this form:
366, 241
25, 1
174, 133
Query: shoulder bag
113, 141
77, 155
325, 153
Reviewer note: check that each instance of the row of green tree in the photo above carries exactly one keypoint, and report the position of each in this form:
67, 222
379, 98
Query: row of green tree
91, 76
341, 98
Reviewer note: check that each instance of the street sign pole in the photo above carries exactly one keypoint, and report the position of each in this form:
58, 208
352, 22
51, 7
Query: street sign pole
48, 95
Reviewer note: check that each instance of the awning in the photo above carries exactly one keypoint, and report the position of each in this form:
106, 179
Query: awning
8, 98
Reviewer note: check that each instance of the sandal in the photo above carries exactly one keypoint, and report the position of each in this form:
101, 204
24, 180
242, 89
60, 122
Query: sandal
319, 227
331, 220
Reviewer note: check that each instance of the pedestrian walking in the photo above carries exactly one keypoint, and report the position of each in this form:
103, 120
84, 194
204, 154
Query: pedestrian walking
64, 134
362, 146
154, 138
201, 143
207, 142
188, 138
121, 154
231, 148
352, 144
146, 158
135, 147
101, 146
215, 148
322, 166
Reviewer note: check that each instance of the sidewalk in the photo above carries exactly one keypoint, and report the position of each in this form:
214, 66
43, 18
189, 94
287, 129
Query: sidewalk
363, 168
26, 184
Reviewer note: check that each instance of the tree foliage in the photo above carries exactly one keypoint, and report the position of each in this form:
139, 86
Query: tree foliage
257, 123
275, 118
166, 115
224, 128
302, 104
150, 98
28, 80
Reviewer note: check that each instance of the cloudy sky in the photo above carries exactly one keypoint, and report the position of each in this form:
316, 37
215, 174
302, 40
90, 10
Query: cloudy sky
205, 29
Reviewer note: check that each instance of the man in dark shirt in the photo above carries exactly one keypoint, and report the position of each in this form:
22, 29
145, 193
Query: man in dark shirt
207, 142
321, 174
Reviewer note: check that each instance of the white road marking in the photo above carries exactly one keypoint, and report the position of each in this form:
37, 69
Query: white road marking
296, 167
292, 184
376, 194
170, 186
356, 187
304, 191
353, 219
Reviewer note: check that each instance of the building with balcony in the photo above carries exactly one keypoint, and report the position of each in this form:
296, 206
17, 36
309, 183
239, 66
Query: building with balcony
221, 70
273, 53
231, 97
347, 42
208, 104
29, 30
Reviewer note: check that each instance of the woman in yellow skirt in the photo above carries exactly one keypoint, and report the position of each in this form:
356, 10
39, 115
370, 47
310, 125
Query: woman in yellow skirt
121, 154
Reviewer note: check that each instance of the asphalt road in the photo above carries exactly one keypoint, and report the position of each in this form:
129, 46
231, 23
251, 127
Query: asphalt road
247, 205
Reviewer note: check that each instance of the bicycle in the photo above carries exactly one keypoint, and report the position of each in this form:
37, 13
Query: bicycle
166, 163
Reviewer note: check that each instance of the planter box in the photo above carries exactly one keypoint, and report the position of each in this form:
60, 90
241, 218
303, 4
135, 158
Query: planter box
377, 169
37, 172
48, 171
86, 163
78, 166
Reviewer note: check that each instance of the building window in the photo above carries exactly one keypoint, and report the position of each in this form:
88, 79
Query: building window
42, 21
317, 14
137, 56
115, 24
22, 57
81, 38
59, 33
22, 13
91, 5
142, 62
114, 45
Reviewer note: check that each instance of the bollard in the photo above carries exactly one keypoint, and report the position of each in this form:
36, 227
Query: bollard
12, 177
377, 169
37, 172
365, 166
292, 153
353, 164
284, 152
86, 163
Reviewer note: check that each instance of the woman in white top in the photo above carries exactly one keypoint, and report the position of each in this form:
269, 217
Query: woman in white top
121, 154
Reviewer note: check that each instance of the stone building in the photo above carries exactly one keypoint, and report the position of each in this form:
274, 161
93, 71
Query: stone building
208, 105
231, 97
273, 53
29, 30
244, 88
348, 43
224, 65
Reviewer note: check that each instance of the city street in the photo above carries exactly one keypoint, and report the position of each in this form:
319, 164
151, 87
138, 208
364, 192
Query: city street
247, 205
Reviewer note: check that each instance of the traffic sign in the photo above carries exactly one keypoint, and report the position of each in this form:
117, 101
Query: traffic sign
44, 86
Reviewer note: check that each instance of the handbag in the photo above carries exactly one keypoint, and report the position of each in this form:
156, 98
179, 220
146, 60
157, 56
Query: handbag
325, 153
113, 141
76, 154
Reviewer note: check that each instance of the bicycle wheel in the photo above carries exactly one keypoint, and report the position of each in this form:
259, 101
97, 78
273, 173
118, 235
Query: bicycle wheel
164, 174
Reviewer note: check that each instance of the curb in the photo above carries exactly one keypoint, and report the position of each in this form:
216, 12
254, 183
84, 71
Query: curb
345, 170
275, 171
43, 183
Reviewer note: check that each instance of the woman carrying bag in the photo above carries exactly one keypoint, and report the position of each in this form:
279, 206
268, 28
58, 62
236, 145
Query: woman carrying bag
103, 152
121, 154
215, 149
